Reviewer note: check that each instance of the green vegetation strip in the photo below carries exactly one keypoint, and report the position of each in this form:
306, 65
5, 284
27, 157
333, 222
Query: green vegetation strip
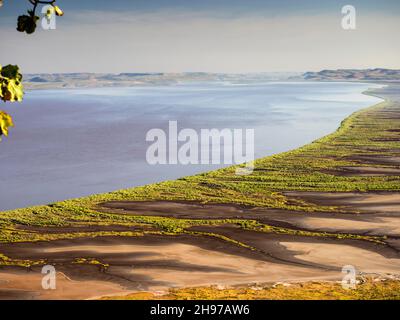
370, 132
368, 289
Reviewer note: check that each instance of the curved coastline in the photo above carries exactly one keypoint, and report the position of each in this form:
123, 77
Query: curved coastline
94, 163
298, 209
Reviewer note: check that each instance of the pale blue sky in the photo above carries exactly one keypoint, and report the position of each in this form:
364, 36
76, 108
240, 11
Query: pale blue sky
229, 7
207, 35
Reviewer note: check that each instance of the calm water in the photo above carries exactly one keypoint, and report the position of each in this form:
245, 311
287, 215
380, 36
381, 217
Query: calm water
71, 143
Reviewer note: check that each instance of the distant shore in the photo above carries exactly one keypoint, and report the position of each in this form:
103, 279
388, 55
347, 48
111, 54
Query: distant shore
98, 80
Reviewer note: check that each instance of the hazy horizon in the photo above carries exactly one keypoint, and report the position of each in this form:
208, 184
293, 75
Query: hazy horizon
204, 72
176, 36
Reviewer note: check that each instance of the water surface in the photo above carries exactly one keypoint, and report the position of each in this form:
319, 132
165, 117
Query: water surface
75, 142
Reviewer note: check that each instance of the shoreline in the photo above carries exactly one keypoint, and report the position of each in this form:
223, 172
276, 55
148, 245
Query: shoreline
116, 187
247, 227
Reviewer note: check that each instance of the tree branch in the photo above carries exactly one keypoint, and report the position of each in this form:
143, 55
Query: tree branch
36, 2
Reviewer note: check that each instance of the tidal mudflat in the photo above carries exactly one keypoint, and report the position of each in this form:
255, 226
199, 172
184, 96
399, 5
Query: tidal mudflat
299, 218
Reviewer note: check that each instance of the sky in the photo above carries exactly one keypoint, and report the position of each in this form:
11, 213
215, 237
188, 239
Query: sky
228, 36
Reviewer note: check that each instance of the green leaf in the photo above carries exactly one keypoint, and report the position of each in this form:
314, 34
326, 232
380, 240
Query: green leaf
11, 72
27, 23
14, 90
49, 13
59, 12
5, 123
11, 88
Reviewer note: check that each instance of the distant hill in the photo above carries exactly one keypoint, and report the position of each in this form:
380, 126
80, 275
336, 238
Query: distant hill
377, 74
92, 80
37, 79
128, 79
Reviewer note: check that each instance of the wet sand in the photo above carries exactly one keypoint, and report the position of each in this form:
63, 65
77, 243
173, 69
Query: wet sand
371, 202
157, 263
149, 263
223, 255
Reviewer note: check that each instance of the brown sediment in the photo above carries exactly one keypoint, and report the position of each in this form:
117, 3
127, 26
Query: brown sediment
380, 212
269, 242
81, 228
375, 159
158, 262
371, 225
364, 171
379, 202
224, 254
148, 263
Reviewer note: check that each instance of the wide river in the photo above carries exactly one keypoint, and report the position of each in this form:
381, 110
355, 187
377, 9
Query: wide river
74, 142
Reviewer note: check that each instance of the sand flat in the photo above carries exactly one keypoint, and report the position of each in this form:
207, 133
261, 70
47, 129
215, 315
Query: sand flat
164, 266
381, 202
28, 285
389, 226
336, 255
